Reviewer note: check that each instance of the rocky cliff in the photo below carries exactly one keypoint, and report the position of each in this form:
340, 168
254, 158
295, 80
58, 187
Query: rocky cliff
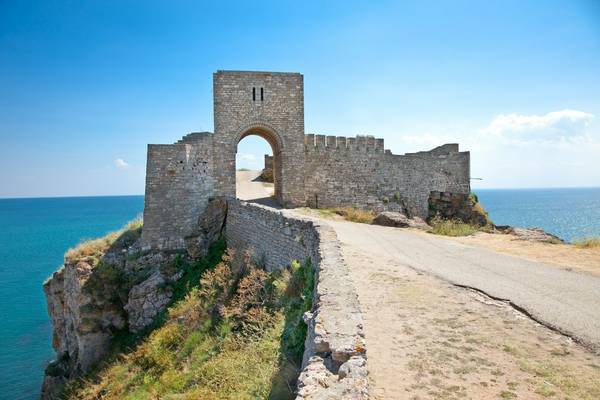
105, 287
112, 286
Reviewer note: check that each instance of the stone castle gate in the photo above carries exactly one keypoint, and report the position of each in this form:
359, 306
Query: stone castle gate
183, 177
269, 105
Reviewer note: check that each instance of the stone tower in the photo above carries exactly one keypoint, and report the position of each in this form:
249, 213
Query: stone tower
267, 104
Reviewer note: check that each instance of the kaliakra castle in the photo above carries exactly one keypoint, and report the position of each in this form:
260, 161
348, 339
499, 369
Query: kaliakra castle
120, 285
309, 170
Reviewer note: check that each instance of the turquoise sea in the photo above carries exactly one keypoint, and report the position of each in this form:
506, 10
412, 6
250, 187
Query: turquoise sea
34, 234
570, 213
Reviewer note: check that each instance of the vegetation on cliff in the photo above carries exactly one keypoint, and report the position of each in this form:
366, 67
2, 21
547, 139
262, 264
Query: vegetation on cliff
232, 331
588, 243
95, 249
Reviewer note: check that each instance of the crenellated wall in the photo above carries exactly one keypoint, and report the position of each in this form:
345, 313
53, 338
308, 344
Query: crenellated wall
308, 170
359, 172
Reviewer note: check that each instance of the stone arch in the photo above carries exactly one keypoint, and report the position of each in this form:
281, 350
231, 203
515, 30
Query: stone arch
268, 133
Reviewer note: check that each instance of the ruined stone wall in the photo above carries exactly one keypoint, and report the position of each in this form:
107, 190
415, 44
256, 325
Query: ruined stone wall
334, 362
274, 239
179, 183
358, 172
318, 171
268, 162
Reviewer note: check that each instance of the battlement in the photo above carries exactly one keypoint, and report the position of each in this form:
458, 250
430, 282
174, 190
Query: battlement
307, 169
195, 137
359, 142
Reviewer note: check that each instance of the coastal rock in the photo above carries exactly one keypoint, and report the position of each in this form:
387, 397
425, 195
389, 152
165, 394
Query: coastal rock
91, 297
399, 220
209, 228
146, 300
81, 323
530, 234
457, 206
389, 218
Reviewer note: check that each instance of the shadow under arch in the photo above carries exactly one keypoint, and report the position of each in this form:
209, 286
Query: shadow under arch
268, 133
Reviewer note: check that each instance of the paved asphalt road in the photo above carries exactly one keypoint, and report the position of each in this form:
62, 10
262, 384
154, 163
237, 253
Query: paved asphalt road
567, 301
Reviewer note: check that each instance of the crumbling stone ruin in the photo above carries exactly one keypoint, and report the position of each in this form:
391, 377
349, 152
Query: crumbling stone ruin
308, 170
190, 203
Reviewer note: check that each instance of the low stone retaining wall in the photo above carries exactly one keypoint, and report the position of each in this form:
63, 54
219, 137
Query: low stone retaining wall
334, 363
275, 239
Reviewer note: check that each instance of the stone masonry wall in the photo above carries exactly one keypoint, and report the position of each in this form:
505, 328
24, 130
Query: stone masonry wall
268, 104
358, 172
268, 162
275, 240
316, 171
334, 362
179, 183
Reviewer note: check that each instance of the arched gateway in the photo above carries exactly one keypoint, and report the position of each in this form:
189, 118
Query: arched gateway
310, 170
267, 104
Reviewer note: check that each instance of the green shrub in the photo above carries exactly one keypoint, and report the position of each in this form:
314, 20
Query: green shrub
235, 332
447, 227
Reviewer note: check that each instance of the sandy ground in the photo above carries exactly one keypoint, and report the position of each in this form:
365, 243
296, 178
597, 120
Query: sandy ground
427, 339
248, 189
563, 256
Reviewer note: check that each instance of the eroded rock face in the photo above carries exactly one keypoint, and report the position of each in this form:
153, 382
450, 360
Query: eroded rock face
90, 300
456, 206
209, 228
82, 325
146, 300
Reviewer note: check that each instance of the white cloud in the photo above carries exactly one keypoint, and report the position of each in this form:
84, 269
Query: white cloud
121, 164
251, 158
556, 126
559, 148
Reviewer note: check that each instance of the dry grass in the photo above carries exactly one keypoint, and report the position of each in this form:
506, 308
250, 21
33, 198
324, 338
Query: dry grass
356, 215
588, 243
96, 248
452, 227
237, 335
347, 213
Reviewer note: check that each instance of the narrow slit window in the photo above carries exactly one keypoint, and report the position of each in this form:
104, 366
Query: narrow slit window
253, 94
262, 94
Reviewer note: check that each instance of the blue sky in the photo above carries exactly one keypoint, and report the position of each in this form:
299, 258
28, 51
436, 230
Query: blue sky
84, 86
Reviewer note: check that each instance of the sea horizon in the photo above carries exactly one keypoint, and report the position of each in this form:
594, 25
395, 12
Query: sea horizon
142, 194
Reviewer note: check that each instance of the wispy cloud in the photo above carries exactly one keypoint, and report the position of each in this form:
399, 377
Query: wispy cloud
554, 126
250, 158
121, 164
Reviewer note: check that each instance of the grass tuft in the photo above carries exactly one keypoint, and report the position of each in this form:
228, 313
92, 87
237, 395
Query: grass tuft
236, 332
356, 215
96, 248
447, 227
588, 243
